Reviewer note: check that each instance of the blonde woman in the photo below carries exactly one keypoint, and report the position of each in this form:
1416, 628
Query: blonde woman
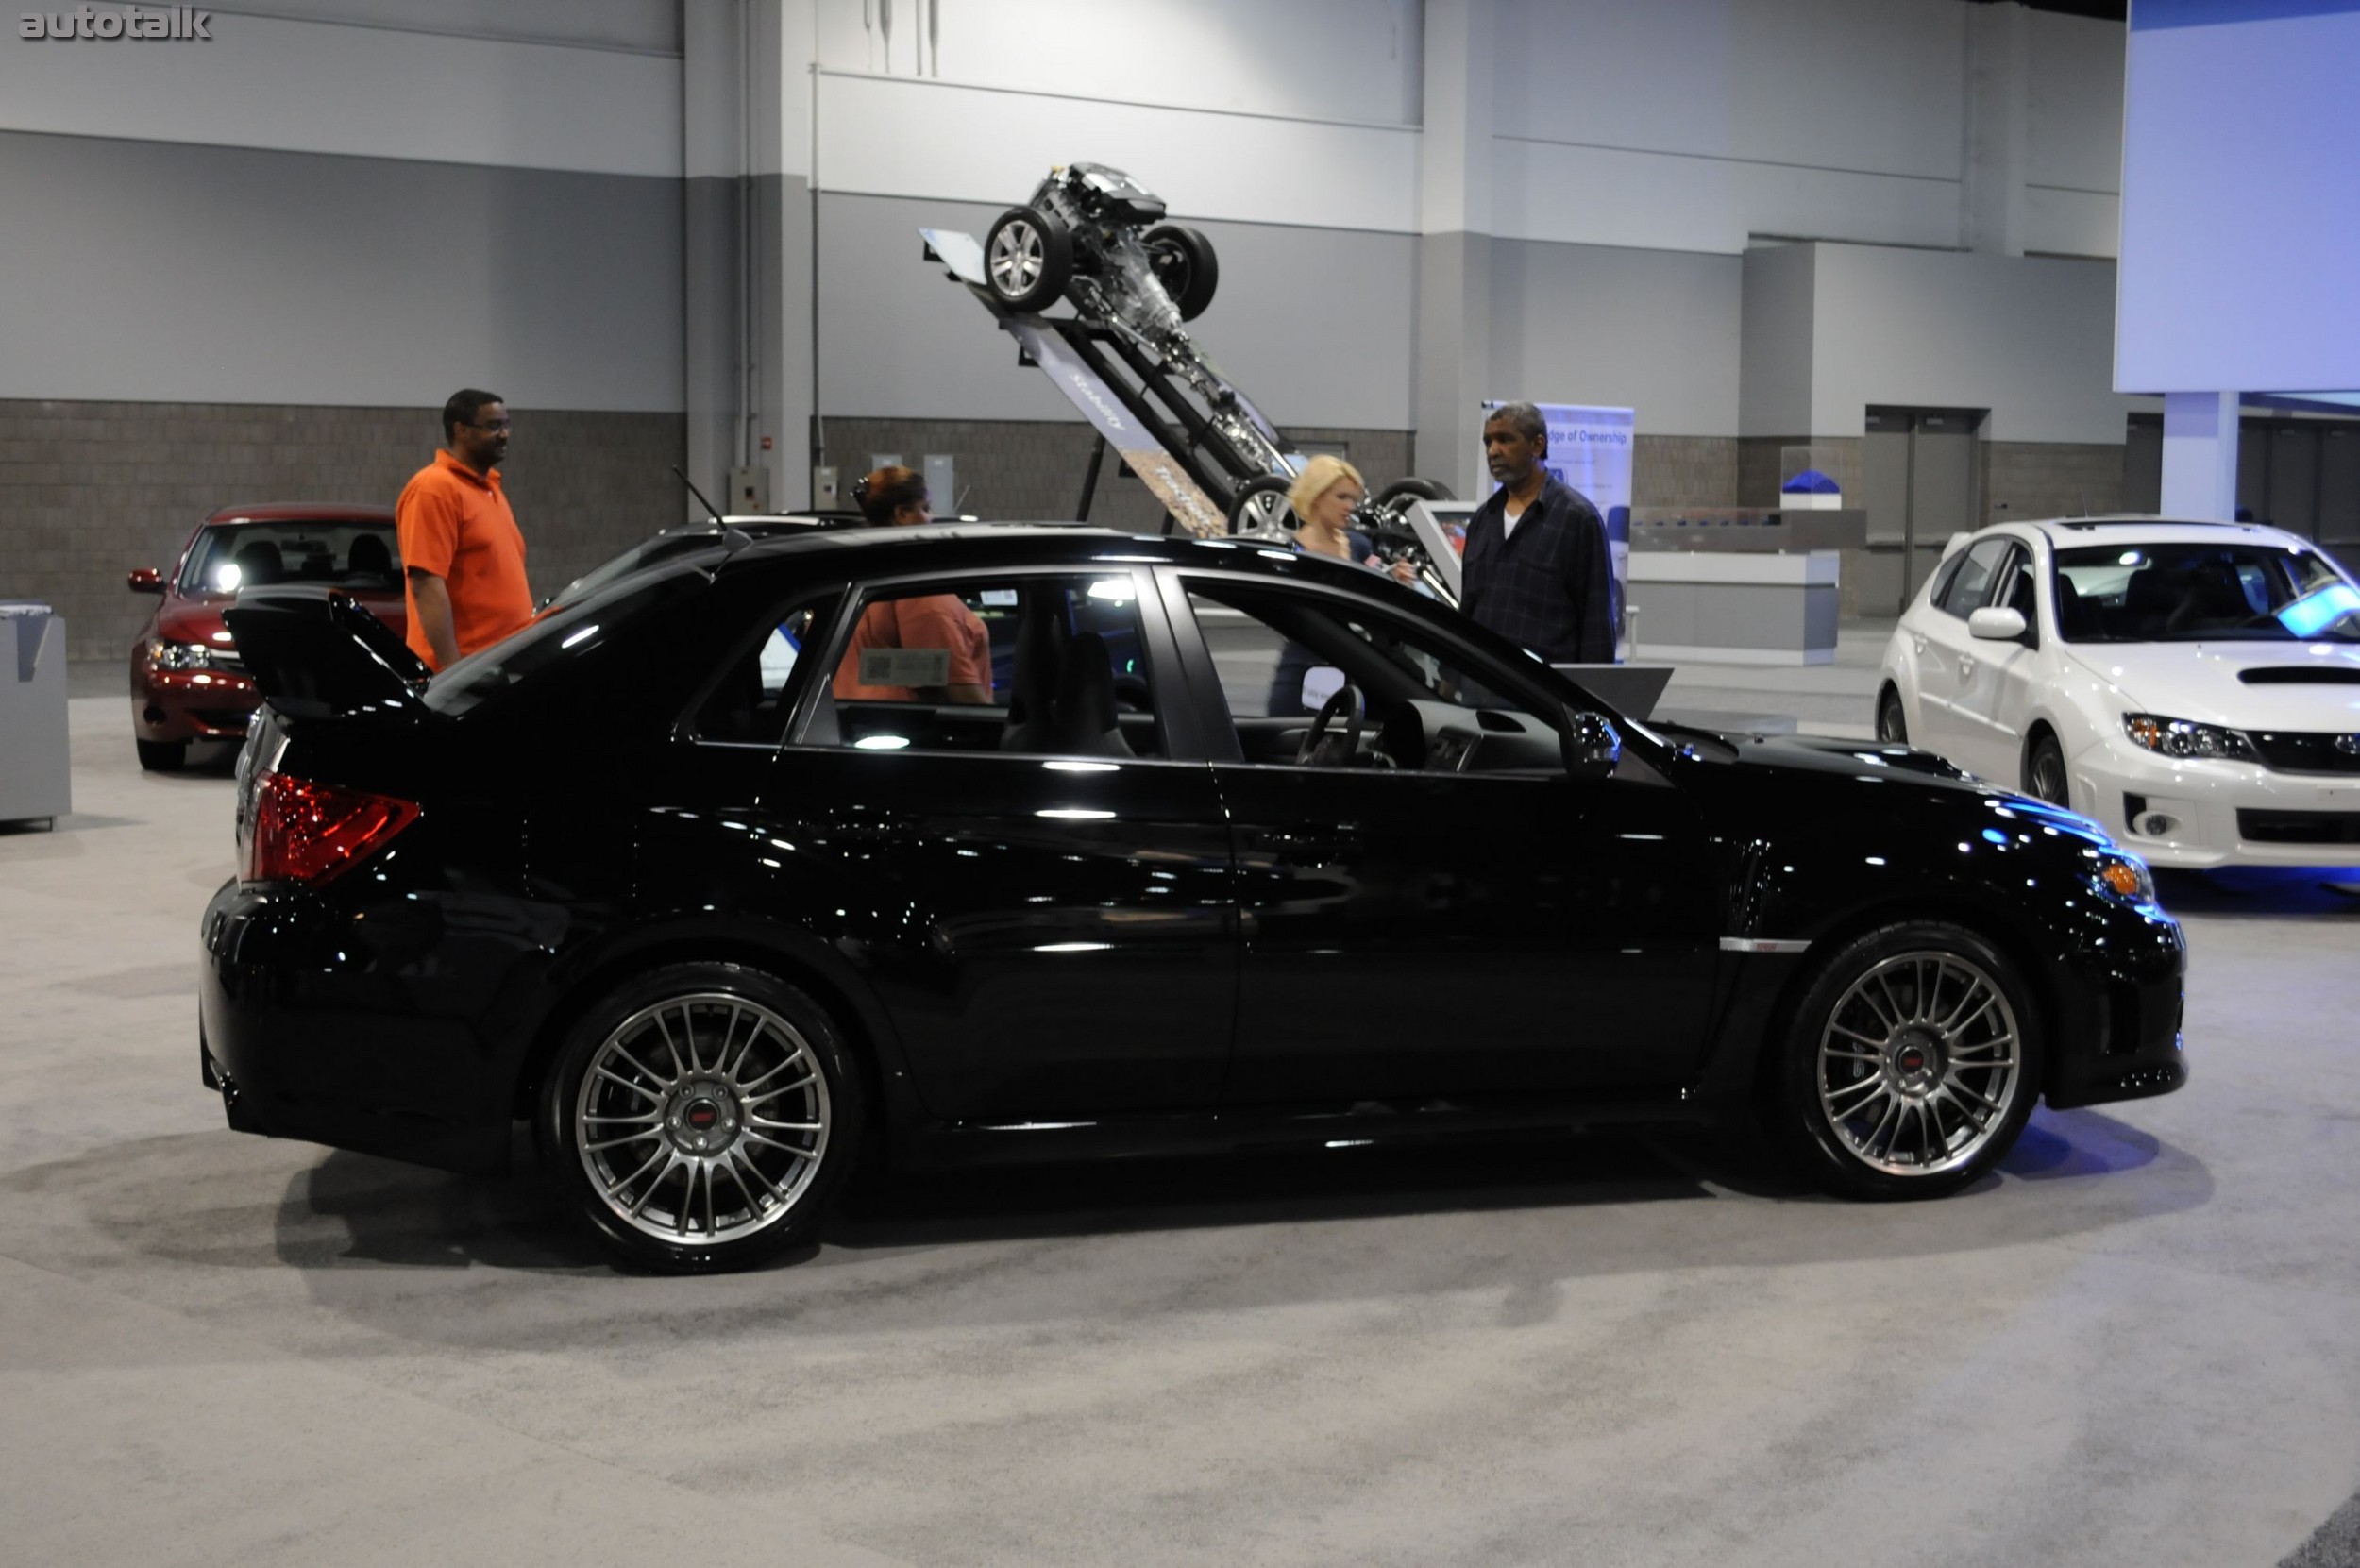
1323, 497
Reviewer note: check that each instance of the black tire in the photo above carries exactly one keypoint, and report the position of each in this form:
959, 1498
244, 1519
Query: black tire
2045, 775
1919, 1033
1893, 721
1259, 506
163, 756
1028, 257
1420, 489
1184, 264
705, 1109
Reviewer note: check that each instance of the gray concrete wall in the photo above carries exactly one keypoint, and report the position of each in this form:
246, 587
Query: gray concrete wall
1652, 331
153, 270
89, 490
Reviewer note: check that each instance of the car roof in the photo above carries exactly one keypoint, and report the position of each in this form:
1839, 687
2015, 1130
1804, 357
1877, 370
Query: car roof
2132, 528
302, 511
1050, 540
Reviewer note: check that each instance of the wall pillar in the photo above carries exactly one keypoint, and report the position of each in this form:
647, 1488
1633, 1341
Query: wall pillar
2201, 455
1999, 117
747, 242
1453, 367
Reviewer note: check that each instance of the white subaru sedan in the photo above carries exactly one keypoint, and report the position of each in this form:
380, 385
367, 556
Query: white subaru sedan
2194, 686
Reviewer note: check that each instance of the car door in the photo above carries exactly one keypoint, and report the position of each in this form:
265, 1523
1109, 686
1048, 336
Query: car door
1946, 656
1996, 680
1037, 884
1418, 931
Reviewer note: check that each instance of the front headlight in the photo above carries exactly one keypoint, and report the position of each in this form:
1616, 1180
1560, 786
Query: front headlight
171, 655
2180, 738
2122, 877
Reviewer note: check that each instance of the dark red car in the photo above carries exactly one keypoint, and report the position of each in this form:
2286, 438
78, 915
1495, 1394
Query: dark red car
187, 681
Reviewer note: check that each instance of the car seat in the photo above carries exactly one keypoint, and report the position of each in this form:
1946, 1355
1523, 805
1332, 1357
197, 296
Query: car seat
2148, 601
1086, 725
2213, 598
369, 557
1040, 639
259, 563
2076, 616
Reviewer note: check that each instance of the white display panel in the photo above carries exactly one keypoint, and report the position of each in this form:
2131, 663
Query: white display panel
2240, 198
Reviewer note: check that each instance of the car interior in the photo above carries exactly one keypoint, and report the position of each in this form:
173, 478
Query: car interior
1311, 684
260, 555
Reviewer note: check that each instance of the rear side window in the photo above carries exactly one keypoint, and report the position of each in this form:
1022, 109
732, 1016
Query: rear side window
560, 633
750, 704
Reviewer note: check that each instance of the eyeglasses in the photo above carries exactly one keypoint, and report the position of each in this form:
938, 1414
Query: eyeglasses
495, 425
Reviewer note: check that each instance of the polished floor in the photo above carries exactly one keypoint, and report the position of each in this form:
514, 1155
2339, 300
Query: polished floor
2138, 1344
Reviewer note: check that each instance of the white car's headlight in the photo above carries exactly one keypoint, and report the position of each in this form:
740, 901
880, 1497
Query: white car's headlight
2180, 738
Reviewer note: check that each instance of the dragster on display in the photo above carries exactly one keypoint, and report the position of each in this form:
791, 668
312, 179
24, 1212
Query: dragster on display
1094, 238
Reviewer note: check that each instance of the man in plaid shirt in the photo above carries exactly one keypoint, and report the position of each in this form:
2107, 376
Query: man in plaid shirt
1536, 569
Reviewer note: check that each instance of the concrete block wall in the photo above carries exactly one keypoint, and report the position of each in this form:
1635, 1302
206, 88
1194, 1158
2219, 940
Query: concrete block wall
89, 490
2051, 478
1684, 471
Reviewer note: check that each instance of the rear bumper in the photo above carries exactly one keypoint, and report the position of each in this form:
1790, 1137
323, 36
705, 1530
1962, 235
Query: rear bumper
308, 1033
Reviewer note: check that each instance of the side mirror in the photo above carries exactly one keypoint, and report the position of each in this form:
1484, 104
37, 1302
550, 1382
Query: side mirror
1592, 746
1993, 624
147, 579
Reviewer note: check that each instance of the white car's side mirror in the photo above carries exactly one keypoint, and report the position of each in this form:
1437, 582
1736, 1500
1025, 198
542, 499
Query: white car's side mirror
1994, 624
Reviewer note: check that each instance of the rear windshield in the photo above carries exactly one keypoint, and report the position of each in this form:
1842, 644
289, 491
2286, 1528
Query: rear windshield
229, 556
2185, 593
560, 632
648, 552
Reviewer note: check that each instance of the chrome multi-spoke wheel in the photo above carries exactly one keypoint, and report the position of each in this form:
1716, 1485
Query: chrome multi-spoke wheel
1913, 1063
1017, 257
1028, 257
1918, 1064
702, 1118
701, 1113
2045, 772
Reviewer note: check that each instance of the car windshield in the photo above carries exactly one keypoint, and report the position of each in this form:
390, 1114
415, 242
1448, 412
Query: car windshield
355, 555
2192, 592
559, 632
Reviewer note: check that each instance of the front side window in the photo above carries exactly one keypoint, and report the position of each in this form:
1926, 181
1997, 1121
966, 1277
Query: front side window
2192, 592
1051, 664
1978, 575
1283, 656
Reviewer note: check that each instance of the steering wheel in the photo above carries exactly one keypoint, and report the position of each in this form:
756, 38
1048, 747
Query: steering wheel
1318, 749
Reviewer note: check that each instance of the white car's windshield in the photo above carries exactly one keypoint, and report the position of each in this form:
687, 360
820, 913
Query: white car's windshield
2191, 592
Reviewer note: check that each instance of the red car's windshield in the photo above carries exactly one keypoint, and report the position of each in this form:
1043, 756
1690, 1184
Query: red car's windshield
352, 555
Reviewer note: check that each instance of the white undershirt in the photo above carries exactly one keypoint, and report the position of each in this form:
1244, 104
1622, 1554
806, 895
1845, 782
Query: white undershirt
1508, 519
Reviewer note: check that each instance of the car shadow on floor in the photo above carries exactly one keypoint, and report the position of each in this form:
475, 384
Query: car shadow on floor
2265, 892
354, 1210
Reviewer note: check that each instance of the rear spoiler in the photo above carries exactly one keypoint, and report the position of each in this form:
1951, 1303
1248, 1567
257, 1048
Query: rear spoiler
321, 655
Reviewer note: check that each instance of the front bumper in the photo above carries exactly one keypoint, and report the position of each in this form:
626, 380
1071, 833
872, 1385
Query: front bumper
2222, 813
171, 705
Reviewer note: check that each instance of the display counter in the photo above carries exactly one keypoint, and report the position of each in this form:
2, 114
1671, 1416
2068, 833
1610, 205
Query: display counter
35, 780
1735, 608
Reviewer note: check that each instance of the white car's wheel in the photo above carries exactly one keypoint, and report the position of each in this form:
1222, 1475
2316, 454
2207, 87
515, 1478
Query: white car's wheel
1893, 724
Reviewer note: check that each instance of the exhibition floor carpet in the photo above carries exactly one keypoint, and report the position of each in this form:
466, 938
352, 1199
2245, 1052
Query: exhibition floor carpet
2134, 1346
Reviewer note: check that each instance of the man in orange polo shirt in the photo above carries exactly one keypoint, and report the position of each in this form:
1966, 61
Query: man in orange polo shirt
460, 550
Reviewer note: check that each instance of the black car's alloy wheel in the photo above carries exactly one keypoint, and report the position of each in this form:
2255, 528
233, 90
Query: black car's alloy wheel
702, 1117
1913, 1063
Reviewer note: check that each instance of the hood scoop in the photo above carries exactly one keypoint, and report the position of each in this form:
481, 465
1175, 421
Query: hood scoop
2302, 675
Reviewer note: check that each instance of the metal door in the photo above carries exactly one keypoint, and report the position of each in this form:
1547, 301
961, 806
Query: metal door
1945, 467
2339, 484
2294, 488
1884, 463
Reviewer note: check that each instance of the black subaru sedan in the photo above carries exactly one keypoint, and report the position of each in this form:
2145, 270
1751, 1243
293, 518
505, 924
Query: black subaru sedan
955, 844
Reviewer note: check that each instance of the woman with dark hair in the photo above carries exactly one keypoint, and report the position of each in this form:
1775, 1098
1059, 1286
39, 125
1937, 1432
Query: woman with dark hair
896, 496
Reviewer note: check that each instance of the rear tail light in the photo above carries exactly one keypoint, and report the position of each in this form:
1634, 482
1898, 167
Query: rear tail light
311, 833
